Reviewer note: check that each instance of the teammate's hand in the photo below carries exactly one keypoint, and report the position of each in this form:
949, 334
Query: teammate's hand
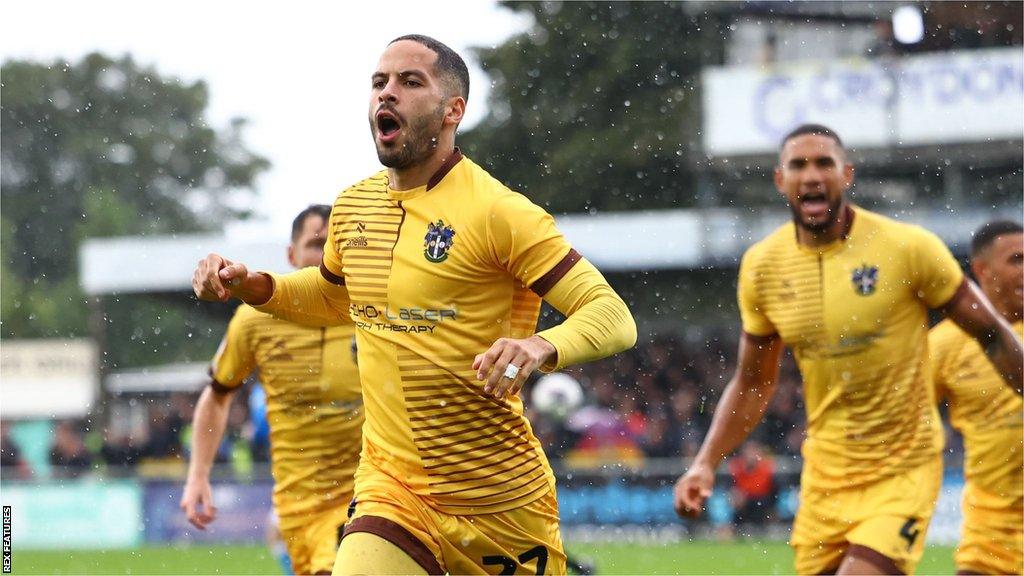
197, 503
217, 279
528, 354
693, 490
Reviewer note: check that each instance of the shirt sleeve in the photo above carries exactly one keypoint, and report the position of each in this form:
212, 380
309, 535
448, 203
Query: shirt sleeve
235, 358
523, 238
598, 323
525, 241
313, 296
752, 313
331, 267
936, 273
307, 297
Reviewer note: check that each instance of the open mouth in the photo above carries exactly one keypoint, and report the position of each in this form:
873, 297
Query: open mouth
387, 125
814, 205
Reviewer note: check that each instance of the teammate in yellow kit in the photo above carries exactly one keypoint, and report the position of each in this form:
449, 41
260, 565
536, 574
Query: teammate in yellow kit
990, 417
443, 269
848, 291
314, 408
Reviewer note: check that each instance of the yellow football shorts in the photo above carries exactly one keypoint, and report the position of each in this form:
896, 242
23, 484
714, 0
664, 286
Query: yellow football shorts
312, 539
525, 540
890, 516
992, 541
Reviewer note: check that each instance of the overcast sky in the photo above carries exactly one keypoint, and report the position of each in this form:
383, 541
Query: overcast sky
300, 75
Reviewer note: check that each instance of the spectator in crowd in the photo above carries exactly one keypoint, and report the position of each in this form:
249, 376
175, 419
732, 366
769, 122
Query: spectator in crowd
689, 423
659, 439
120, 450
69, 457
631, 415
13, 465
753, 485
783, 423
164, 434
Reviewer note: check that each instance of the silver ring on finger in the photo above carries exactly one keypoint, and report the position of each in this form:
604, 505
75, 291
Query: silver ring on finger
511, 371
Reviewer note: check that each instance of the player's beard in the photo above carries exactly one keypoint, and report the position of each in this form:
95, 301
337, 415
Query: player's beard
420, 141
817, 227
1006, 295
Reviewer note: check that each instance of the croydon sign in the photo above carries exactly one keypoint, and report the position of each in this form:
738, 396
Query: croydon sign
948, 97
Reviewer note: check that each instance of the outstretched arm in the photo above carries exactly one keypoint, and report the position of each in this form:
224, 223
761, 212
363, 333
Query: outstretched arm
308, 296
217, 279
739, 411
974, 314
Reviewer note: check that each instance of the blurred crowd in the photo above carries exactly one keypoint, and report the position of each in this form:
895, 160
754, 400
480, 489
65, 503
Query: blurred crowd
153, 444
654, 401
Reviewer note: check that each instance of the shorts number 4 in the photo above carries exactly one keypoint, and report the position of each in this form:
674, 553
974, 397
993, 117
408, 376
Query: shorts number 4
508, 565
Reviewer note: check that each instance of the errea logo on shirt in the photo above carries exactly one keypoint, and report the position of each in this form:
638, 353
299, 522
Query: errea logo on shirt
358, 241
438, 241
865, 279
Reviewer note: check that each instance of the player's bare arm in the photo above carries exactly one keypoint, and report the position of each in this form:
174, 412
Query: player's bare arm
208, 423
218, 279
974, 314
740, 410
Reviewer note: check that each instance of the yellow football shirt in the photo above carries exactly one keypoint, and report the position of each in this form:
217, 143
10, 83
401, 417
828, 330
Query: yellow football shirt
314, 405
432, 277
855, 315
984, 409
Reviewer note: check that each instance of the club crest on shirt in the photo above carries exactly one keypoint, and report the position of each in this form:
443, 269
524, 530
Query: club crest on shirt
438, 241
865, 279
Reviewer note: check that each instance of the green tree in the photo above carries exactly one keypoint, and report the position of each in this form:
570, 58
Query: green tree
102, 147
595, 107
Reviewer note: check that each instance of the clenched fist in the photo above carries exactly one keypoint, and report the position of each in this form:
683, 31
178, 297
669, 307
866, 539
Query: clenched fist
218, 279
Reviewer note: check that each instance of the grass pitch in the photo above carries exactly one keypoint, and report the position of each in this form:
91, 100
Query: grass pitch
679, 558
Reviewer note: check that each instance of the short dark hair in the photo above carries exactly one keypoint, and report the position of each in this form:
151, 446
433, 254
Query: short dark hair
449, 66
815, 129
321, 210
987, 234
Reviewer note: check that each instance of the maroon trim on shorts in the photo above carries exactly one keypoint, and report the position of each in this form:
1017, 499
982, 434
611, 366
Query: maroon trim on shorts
398, 536
445, 168
968, 572
874, 557
546, 282
331, 276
